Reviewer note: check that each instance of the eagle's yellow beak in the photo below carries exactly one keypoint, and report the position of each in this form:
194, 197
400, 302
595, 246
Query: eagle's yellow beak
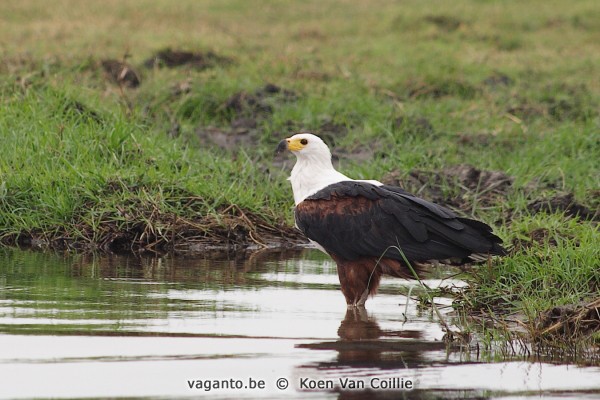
291, 144
294, 144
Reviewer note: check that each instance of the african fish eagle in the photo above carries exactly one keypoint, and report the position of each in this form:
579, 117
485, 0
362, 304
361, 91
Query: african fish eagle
362, 224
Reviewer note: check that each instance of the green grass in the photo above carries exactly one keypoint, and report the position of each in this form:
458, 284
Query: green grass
559, 267
68, 174
504, 86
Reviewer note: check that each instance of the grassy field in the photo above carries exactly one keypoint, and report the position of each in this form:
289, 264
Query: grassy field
107, 144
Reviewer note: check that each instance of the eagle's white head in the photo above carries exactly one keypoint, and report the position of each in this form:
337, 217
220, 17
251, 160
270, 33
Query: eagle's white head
307, 146
313, 170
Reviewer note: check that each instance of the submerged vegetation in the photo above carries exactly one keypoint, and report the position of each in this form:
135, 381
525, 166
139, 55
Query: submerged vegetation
158, 134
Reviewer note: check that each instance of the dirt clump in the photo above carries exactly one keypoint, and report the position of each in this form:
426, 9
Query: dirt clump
542, 235
243, 124
358, 153
270, 89
481, 140
170, 58
474, 178
563, 202
310, 34
557, 102
121, 73
442, 88
330, 131
245, 112
247, 103
526, 110
258, 103
242, 132
475, 139
497, 80
446, 23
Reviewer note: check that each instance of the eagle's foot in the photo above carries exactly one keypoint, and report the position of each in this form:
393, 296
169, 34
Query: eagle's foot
360, 302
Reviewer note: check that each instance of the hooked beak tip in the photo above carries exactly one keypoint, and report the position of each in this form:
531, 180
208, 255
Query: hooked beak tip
281, 147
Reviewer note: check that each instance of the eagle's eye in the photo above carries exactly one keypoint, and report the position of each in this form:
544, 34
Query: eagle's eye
303, 142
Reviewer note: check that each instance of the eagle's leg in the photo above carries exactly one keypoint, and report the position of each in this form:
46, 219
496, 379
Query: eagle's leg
358, 280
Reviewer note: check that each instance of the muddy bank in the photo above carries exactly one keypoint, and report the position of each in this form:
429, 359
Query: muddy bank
145, 229
569, 321
562, 332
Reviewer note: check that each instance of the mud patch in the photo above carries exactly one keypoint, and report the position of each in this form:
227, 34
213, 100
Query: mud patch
357, 153
570, 321
497, 80
231, 139
527, 111
458, 186
565, 203
480, 140
331, 132
313, 75
418, 89
176, 58
245, 112
258, 103
447, 23
310, 34
475, 139
243, 103
121, 73
558, 102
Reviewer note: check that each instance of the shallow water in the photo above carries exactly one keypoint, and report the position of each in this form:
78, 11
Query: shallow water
82, 326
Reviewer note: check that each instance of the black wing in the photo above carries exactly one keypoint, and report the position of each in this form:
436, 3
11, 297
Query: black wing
353, 219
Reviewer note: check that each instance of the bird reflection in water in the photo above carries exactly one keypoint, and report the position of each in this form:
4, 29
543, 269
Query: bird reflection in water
363, 344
